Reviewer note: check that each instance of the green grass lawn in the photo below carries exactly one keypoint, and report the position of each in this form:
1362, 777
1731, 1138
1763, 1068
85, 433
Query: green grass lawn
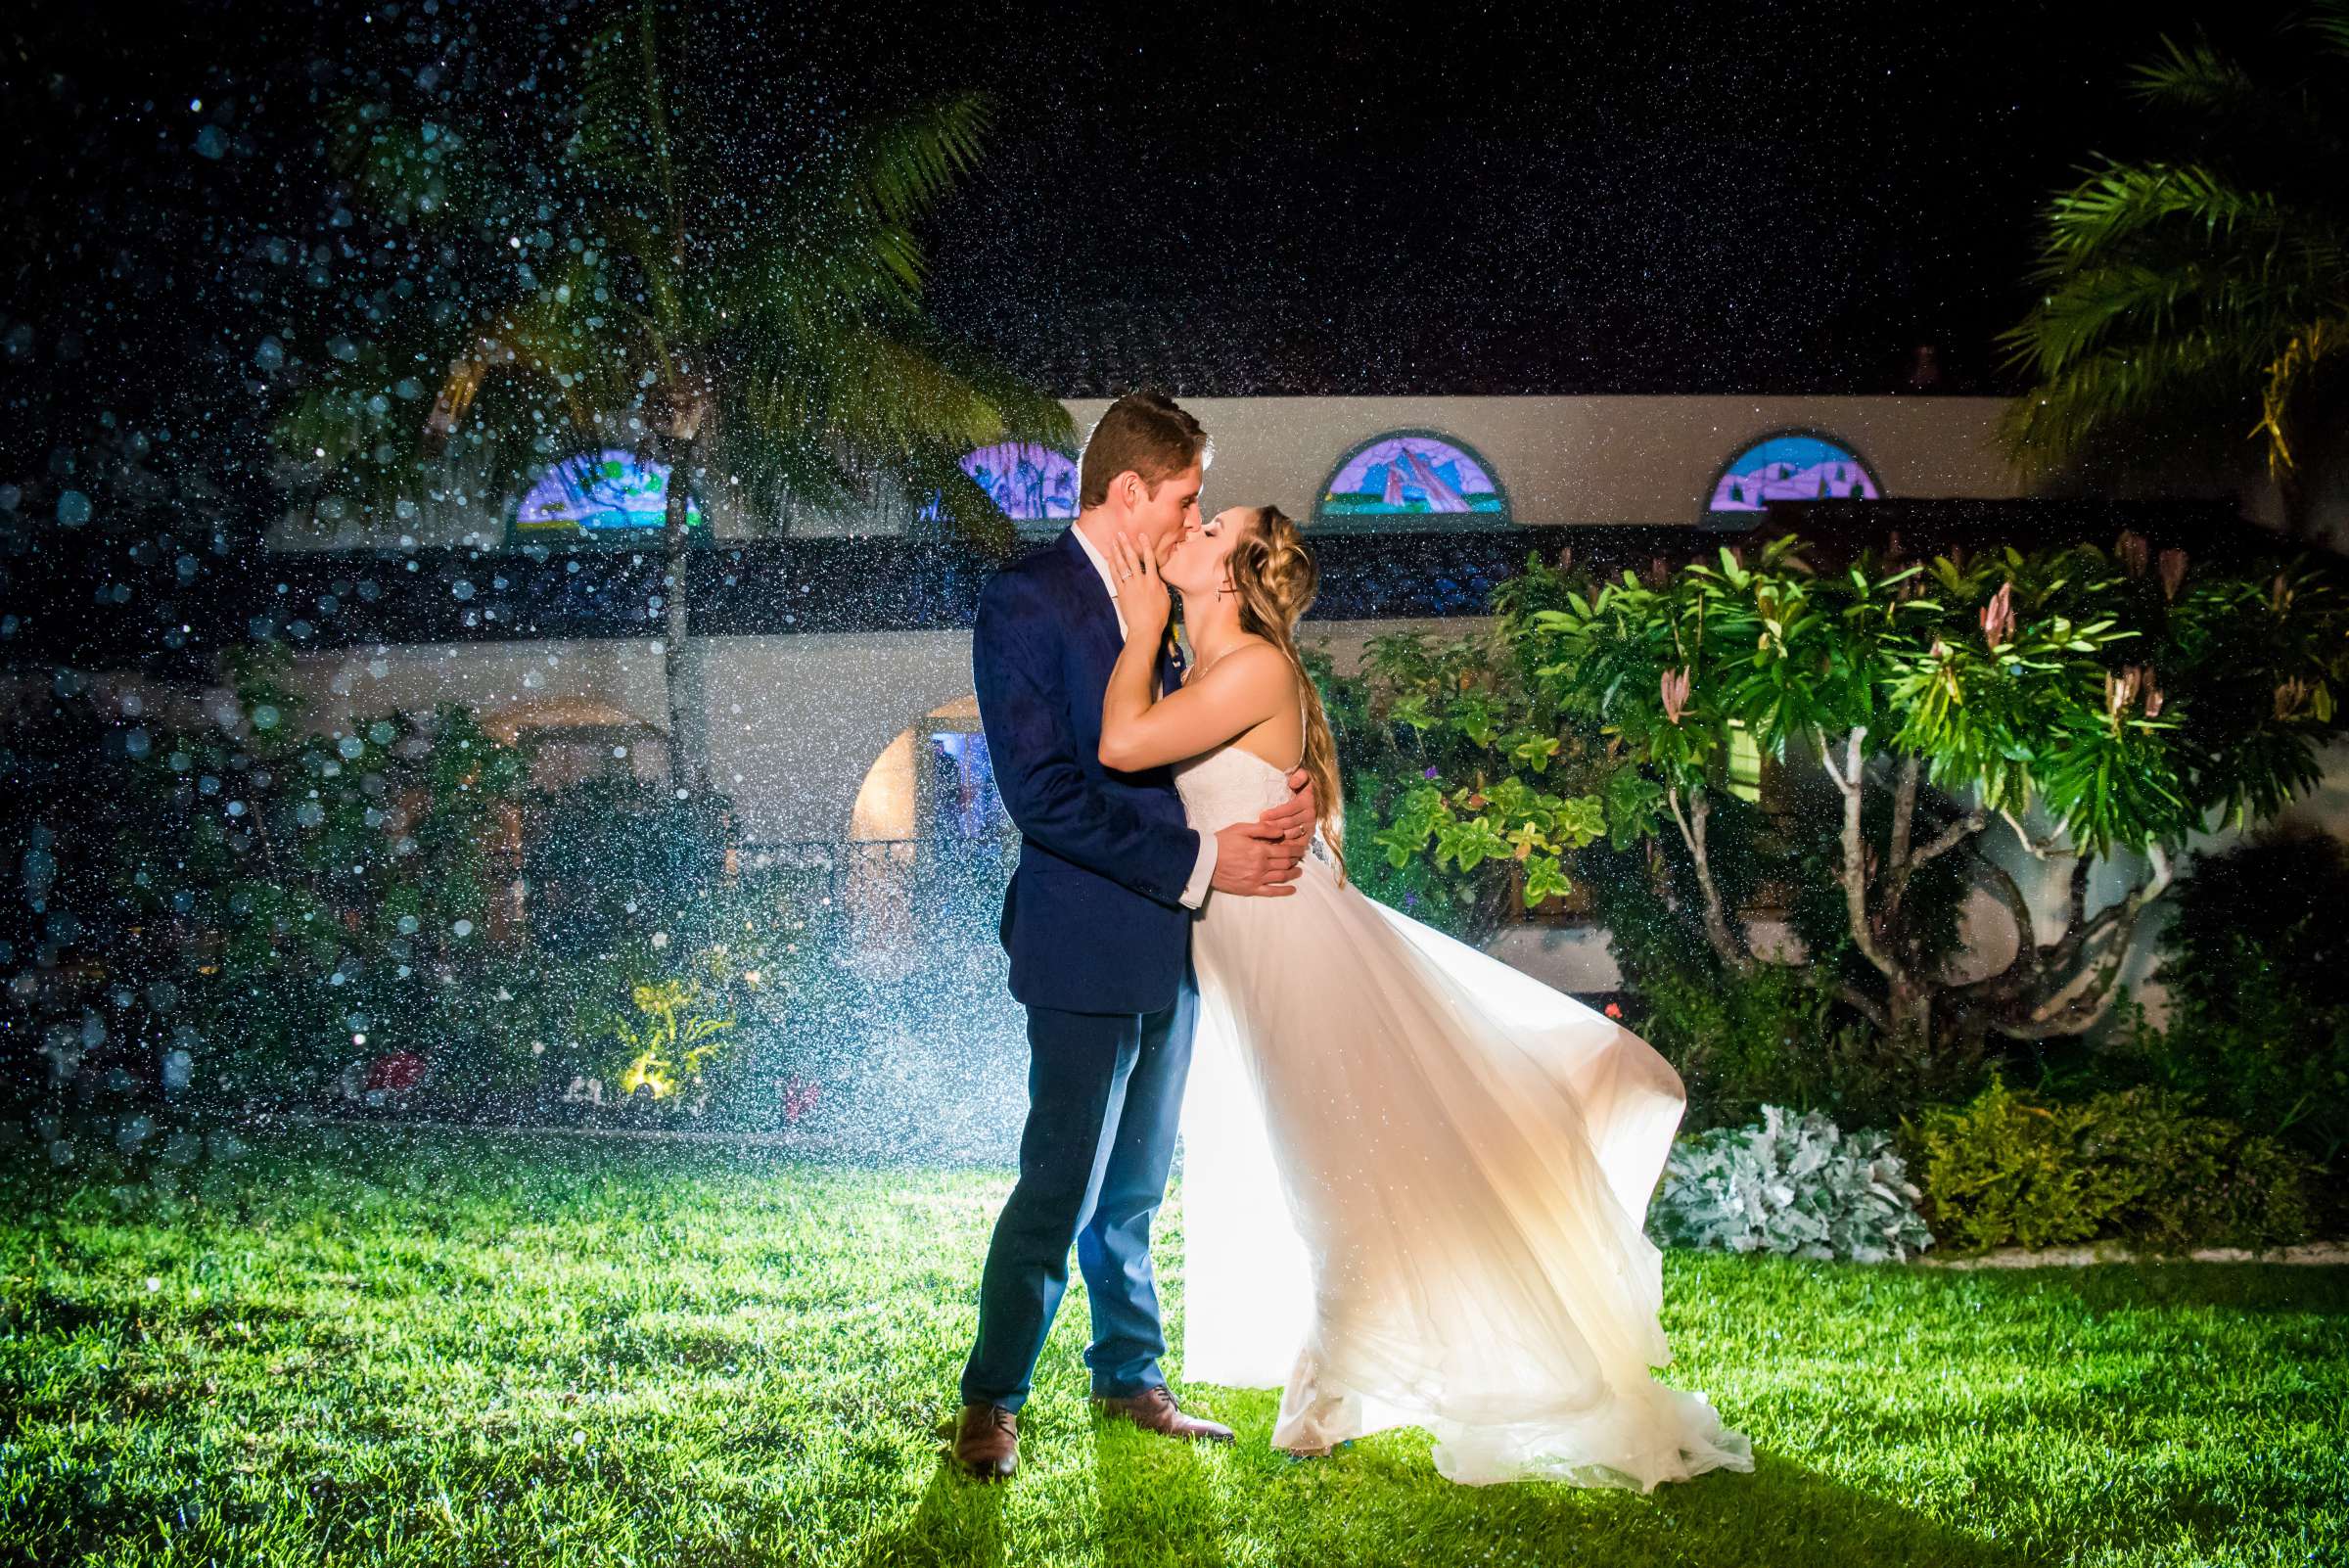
441, 1348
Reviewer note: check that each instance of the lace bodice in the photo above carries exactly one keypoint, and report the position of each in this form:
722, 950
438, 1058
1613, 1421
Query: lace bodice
1228, 785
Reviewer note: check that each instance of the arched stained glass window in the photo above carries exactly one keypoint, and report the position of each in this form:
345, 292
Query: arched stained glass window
600, 494
1793, 466
1413, 478
1029, 481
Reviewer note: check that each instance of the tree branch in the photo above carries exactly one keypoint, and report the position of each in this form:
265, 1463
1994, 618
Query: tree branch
1855, 859
2088, 995
1904, 825
1950, 838
2045, 849
2066, 950
2124, 913
2009, 893
1862, 1004
1726, 942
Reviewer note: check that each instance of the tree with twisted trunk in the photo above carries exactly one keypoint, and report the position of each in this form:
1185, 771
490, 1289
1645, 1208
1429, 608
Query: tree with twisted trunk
2071, 704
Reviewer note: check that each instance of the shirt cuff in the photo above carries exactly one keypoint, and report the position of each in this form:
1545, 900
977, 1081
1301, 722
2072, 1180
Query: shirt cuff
1194, 892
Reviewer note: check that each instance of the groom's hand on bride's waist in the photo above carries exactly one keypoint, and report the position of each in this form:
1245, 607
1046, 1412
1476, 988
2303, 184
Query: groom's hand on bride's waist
1259, 858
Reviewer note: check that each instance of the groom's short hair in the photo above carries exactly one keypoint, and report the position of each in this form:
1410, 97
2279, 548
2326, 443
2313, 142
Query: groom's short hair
1144, 431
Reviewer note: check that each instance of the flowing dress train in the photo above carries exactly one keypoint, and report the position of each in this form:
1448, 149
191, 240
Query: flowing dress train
1466, 1158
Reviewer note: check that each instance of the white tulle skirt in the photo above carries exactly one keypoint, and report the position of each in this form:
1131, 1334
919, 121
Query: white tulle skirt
1414, 1187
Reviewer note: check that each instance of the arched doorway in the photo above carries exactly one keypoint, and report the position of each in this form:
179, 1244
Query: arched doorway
584, 761
927, 837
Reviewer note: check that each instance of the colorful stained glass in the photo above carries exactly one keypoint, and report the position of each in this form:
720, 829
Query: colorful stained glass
1409, 476
1030, 482
613, 491
1791, 468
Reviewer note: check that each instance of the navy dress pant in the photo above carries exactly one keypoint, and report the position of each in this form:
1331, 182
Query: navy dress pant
1104, 1104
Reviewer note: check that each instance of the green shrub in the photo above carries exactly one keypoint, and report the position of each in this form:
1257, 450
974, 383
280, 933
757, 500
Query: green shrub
2256, 960
2175, 1180
2138, 1165
2000, 1171
1767, 1036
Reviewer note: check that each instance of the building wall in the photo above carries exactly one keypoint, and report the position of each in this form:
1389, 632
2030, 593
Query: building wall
1595, 459
798, 723
1560, 459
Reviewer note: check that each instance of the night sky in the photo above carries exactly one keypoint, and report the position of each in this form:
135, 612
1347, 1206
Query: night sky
1542, 198
1646, 198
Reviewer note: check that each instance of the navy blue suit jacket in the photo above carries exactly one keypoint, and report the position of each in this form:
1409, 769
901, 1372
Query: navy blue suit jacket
1093, 920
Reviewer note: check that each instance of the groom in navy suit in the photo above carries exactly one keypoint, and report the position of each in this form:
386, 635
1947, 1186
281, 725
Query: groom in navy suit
1097, 922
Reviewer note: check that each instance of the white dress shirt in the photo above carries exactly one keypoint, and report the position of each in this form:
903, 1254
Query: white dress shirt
1195, 893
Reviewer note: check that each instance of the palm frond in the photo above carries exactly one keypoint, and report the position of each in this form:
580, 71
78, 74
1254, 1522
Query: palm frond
906, 164
895, 399
2328, 20
614, 137
2124, 199
2140, 301
2198, 79
932, 481
2289, 377
409, 169
2115, 394
764, 454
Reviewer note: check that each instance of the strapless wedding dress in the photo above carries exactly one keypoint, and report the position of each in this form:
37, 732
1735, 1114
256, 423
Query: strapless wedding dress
1466, 1158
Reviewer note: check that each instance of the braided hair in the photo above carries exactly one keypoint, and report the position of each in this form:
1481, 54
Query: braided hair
1275, 574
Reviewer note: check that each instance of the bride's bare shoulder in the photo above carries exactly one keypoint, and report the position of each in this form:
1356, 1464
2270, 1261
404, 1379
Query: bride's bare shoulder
1251, 653
1252, 664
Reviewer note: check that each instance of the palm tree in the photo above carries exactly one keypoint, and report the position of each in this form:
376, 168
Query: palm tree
715, 270
2203, 298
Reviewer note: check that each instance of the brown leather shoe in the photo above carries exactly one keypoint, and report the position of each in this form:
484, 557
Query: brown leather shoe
1154, 1409
987, 1442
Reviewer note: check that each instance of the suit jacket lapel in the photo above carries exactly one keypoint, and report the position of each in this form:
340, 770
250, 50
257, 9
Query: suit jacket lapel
1098, 615
1101, 614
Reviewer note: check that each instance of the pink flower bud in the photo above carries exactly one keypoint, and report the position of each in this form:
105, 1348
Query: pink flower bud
2173, 572
2131, 550
1998, 616
1676, 694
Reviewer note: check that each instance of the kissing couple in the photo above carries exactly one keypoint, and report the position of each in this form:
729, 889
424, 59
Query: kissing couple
1414, 1179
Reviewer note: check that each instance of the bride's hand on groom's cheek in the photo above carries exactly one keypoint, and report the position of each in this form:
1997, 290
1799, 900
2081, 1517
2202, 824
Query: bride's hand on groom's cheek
1142, 592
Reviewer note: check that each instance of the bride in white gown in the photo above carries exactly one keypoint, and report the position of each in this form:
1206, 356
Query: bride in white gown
1466, 1155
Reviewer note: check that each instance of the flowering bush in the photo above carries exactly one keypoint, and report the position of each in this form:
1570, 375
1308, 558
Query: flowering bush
2090, 703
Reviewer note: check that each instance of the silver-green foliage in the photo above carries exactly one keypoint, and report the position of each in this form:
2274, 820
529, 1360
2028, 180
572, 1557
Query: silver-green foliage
1793, 1186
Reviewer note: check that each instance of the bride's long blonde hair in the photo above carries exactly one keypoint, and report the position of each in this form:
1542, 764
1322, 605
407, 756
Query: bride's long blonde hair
1275, 577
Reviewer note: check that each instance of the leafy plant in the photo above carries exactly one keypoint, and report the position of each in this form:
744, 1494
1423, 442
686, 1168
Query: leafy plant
2121, 702
1421, 733
683, 1027
1792, 1186
2136, 1164
2256, 962
2200, 297
308, 897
